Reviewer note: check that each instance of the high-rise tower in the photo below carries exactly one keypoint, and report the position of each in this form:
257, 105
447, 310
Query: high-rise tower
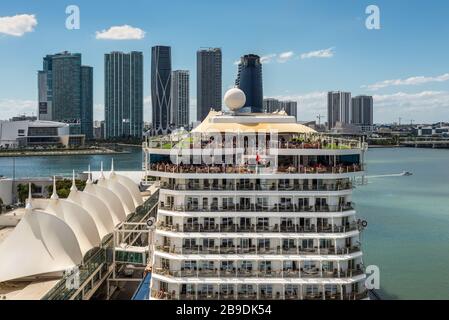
61, 88
338, 108
362, 112
123, 94
180, 98
161, 89
209, 82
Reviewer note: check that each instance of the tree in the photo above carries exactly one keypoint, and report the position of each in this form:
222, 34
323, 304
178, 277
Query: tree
63, 187
22, 191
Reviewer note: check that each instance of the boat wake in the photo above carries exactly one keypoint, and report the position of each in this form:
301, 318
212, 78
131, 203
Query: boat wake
402, 174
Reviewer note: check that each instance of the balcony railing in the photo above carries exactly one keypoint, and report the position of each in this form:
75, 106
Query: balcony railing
257, 250
252, 207
260, 295
236, 228
292, 142
203, 169
313, 273
257, 187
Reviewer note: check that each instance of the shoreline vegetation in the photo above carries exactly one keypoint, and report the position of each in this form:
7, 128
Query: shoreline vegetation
56, 152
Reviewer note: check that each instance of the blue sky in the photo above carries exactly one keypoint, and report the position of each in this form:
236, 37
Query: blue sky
404, 64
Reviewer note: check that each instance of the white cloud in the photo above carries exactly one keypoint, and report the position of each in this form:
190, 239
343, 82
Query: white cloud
422, 107
413, 101
285, 56
98, 111
407, 82
18, 25
268, 58
274, 57
13, 107
124, 32
325, 53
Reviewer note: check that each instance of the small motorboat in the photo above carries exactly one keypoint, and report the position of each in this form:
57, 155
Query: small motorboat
407, 173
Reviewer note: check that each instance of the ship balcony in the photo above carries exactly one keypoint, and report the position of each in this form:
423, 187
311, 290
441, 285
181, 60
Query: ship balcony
308, 273
325, 187
289, 141
257, 250
252, 207
253, 169
261, 292
276, 228
241, 295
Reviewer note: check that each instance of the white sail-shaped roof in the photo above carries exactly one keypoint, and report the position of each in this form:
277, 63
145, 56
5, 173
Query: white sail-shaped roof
41, 243
120, 191
79, 220
97, 210
110, 199
55, 234
131, 186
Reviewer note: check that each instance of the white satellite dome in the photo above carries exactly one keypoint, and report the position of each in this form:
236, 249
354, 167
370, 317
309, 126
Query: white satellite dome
234, 99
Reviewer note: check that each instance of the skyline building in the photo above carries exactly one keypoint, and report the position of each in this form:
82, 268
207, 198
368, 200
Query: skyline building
161, 89
123, 74
87, 101
271, 105
362, 112
180, 99
209, 81
249, 80
291, 107
62, 82
338, 108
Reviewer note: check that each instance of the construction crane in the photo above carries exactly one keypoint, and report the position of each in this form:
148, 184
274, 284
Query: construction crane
319, 119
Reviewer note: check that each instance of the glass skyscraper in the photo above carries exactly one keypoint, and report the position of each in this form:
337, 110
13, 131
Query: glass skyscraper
209, 81
180, 98
123, 94
338, 108
65, 92
161, 89
249, 80
87, 101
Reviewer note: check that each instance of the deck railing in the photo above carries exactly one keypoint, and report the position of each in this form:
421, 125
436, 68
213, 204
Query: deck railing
254, 250
248, 169
236, 228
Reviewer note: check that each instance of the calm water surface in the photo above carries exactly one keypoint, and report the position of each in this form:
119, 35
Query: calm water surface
63, 165
408, 222
408, 217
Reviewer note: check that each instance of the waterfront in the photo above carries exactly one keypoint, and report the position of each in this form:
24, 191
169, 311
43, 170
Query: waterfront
45, 166
408, 216
408, 222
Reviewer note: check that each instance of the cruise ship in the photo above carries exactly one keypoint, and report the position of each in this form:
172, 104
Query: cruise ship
255, 207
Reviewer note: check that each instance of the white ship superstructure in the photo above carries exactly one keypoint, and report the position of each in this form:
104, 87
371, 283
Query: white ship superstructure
277, 225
